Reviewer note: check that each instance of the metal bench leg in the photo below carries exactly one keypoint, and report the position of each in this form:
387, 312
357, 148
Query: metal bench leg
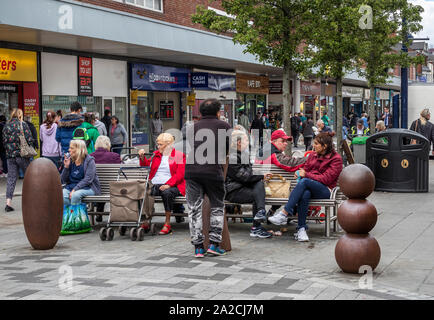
327, 224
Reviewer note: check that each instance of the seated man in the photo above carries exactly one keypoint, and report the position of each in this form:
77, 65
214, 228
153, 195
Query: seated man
166, 175
273, 154
243, 186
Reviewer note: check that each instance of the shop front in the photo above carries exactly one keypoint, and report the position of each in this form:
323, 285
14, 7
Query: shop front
252, 94
275, 102
98, 84
158, 89
353, 100
328, 98
310, 94
209, 85
19, 86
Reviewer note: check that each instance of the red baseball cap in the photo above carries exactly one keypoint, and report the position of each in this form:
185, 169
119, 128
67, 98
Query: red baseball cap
279, 134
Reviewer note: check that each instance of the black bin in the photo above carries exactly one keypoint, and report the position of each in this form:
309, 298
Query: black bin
399, 159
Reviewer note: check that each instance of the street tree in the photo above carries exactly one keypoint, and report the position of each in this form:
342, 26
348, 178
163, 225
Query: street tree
379, 44
274, 31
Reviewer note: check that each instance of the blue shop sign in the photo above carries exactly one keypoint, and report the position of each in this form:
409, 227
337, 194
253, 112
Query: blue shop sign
159, 78
139, 138
214, 82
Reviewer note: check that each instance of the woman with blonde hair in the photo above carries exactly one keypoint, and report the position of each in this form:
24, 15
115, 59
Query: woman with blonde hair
424, 126
166, 175
12, 131
80, 179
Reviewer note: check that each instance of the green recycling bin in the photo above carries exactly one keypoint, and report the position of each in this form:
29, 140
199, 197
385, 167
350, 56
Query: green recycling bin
359, 149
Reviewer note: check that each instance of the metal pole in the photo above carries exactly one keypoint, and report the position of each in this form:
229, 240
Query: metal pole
404, 86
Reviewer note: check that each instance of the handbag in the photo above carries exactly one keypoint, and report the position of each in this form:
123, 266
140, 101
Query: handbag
26, 151
414, 141
277, 189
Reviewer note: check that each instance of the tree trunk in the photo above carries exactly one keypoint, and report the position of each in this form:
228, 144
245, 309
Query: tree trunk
339, 114
372, 110
286, 117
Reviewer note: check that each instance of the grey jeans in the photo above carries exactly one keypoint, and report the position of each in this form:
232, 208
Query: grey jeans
13, 165
195, 191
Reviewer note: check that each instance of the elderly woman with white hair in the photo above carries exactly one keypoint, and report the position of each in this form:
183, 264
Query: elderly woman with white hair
102, 154
424, 127
242, 185
166, 175
80, 179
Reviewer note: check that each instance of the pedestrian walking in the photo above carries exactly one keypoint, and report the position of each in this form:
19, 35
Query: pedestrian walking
2, 148
12, 131
318, 176
243, 120
90, 132
204, 175
50, 148
157, 128
424, 126
387, 118
118, 135
325, 118
257, 130
308, 133
100, 125
67, 125
295, 128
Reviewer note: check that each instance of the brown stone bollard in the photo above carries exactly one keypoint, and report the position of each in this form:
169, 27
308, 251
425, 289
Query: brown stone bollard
357, 216
42, 204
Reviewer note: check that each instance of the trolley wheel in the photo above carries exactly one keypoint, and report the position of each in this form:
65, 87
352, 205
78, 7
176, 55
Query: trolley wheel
103, 234
153, 229
140, 234
133, 234
110, 234
122, 231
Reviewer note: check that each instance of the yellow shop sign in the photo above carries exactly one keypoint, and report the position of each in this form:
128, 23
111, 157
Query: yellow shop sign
18, 65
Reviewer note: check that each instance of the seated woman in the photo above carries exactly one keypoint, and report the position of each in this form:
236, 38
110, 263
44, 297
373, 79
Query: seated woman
318, 177
243, 186
103, 155
166, 175
80, 179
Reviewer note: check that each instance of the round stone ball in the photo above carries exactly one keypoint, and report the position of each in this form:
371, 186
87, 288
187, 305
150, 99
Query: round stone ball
357, 181
357, 216
355, 250
42, 204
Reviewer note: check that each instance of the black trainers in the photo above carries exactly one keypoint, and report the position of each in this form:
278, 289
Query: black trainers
260, 232
9, 208
260, 216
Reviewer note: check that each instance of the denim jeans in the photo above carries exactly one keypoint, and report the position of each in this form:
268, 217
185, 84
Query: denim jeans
76, 196
305, 190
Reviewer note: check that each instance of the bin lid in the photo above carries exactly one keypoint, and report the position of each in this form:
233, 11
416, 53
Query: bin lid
360, 140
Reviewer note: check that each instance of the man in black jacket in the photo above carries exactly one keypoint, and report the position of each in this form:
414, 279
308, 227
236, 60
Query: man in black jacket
204, 175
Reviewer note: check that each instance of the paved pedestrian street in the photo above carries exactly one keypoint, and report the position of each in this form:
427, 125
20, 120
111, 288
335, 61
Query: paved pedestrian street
163, 267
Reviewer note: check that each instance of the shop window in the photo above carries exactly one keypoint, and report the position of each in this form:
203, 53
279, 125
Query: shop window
156, 5
63, 103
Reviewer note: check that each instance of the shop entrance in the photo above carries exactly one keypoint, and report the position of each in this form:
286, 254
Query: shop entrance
9, 97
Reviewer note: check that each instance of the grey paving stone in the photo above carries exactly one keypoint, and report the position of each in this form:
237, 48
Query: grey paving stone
23, 293
216, 277
94, 282
174, 294
380, 295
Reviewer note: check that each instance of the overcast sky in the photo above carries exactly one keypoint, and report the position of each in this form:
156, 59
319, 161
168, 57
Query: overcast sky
428, 20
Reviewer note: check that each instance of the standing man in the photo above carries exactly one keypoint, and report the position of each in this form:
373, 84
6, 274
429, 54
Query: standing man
326, 119
258, 124
243, 120
107, 119
387, 118
295, 128
204, 175
67, 125
157, 127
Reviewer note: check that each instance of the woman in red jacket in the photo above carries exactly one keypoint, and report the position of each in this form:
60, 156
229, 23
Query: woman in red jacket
318, 177
166, 175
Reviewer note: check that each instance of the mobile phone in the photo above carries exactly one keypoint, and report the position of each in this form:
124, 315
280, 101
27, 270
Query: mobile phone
67, 155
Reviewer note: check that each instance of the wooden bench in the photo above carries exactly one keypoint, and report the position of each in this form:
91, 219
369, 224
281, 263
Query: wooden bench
109, 172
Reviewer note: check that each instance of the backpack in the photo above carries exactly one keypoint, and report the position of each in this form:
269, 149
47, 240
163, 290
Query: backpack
82, 134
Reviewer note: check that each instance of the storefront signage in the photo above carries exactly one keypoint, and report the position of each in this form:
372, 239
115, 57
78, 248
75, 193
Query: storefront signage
31, 102
366, 94
18, 65
167, 111
85, 87
199, 80
276, 87
134, 97
191, 100
328, 90
8, 88
352, 92
384, 94
139, 138
252, 84
214, 82
159, 78
310, 88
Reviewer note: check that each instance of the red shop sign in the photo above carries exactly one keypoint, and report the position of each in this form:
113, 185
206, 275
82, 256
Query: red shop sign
85, 85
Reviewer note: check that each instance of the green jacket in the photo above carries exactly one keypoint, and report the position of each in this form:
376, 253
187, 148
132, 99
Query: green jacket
93, 134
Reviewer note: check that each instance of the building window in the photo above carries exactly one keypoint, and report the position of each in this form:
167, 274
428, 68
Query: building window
156, 5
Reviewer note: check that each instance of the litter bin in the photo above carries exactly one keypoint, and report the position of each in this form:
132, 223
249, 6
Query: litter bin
399, 159
359, 149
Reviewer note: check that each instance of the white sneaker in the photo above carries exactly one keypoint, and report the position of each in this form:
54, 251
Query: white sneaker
301, 235
279, 219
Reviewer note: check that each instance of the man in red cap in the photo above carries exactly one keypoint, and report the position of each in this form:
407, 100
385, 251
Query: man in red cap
273, 154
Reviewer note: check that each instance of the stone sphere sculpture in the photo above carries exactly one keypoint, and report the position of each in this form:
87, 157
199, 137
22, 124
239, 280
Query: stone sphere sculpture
357, 216
42, 204
357, 181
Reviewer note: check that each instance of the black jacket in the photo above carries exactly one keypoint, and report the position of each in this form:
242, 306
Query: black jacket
427, 130
207, 167
240, 175
107, 122
34, 134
